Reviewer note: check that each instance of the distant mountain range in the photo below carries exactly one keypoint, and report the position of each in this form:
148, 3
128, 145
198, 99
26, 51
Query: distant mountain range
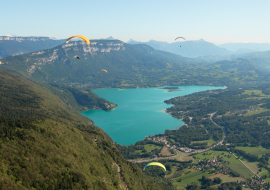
11, 45
202, 48
246, 47
20, 45
109, 38
187, 48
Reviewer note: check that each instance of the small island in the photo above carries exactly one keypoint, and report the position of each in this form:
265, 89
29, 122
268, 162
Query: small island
171, 88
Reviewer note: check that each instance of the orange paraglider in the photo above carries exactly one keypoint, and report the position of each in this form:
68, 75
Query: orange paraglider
79, 36
103, 70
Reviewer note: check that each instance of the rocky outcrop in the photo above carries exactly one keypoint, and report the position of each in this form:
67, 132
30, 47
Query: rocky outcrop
95, 46
31, 69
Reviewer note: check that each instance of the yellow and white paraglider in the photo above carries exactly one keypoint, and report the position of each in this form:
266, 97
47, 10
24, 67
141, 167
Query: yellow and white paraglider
79, 36
103, 70
155, 164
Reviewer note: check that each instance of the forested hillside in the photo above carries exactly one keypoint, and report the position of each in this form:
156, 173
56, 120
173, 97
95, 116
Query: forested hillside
45, 144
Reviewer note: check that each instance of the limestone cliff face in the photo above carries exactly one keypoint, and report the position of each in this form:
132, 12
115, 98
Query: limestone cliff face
73, 49
65, 51
95, 46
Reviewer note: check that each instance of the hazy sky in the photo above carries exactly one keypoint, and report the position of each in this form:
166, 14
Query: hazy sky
215, 21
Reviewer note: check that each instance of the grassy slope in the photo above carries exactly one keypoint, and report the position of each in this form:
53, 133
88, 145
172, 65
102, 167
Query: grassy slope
189, 178
257, 150
46, 145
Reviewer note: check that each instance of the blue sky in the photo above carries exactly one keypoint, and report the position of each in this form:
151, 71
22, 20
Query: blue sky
215, 21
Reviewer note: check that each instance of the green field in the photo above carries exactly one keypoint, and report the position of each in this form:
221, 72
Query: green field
209, 154
189, 178
233, 163
252, 165
150, 147
255, 92
227, 178
258, 150
255, 112
263, 172
231, 160
267, 180
241, 169
209, 142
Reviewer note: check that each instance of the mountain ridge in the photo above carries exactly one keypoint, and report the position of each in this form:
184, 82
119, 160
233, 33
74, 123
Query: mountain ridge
10, 46
186, 48
59, 63
128, 66
252, 46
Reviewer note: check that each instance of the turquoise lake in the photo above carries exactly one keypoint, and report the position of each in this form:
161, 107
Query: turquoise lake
140, 112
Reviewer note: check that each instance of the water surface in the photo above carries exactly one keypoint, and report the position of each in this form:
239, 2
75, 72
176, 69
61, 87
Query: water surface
139, 112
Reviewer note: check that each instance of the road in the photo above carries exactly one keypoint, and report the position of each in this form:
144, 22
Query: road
245, 165
224, 131
221, 142
181, 154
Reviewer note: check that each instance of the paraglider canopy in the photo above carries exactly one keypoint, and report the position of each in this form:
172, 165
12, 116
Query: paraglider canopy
103, 70
79, 36
155, 164
180, 37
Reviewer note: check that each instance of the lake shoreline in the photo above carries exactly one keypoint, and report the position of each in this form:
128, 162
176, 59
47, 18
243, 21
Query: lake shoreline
140, 112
